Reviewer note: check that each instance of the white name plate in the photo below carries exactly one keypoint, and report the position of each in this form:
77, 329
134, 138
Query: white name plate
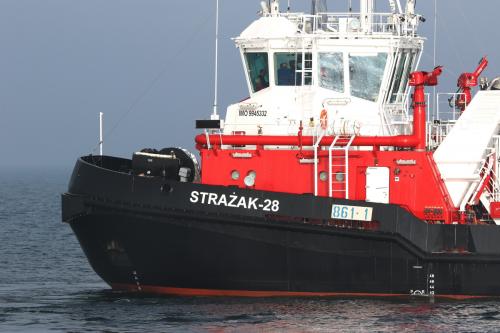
353, 213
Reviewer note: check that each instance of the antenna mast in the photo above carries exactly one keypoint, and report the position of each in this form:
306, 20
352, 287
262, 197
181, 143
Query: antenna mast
366, 9
434, 101
101, 139
215, 116
318, 6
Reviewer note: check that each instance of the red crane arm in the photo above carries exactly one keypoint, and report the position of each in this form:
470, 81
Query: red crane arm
466, 81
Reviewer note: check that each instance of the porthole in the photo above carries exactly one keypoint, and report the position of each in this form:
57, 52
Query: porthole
235, 175
323, 176
166, 188
250, 178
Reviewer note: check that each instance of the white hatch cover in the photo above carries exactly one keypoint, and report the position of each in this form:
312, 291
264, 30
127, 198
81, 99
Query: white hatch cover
377, 184
462, 153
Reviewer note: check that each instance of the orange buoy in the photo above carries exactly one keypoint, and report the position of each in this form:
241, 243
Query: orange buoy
323, 119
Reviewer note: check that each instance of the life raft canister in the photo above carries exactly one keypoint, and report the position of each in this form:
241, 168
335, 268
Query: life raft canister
323, 119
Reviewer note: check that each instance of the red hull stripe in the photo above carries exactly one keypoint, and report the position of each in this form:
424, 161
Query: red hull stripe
248, 293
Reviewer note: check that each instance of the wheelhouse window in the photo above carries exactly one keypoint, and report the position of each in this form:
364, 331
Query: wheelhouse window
258, 70
366, 73
331, 71
401, 76
293, 69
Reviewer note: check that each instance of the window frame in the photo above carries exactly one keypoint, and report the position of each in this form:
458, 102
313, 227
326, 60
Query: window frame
305, 75
248, 71
343, 71
398, 87
349, 55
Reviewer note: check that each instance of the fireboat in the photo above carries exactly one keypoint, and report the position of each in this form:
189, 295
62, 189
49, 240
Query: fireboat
332, 178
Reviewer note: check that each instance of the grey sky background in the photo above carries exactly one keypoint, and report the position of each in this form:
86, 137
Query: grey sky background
148, 65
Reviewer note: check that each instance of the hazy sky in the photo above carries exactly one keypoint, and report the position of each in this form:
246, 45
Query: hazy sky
148, 65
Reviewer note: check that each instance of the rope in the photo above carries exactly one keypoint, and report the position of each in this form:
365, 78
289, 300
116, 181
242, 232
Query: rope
456, 52
445, 69
157, 78
470, 27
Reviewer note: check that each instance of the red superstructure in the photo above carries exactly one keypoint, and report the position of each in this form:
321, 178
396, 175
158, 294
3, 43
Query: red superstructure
334, 119
414, 179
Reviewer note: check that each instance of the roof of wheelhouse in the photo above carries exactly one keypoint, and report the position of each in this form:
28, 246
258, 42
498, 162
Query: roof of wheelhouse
275, 24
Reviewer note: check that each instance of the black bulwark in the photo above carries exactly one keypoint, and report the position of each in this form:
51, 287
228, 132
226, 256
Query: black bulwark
127, 223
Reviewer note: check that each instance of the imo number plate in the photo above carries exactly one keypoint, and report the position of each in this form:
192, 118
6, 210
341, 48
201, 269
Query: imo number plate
354, 213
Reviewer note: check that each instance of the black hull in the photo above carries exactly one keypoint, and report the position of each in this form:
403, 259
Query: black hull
145, 234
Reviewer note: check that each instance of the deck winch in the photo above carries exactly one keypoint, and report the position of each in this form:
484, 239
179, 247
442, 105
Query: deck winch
168, 163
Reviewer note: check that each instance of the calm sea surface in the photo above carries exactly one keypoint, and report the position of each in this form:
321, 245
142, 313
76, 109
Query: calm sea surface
46, 285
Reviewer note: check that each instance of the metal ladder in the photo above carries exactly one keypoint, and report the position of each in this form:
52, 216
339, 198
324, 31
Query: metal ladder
485, 174
339, 162
486, 189
306, 66
316, 160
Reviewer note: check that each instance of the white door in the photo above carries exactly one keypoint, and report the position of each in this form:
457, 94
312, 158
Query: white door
377, 185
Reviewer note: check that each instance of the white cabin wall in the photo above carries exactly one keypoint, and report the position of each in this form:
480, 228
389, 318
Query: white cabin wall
273, 34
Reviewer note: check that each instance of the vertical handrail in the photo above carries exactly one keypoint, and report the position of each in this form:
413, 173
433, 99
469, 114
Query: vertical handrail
315, 147
208, 139
101, 138
485, 170
330, 165
215, 116
385, 120
346, 150
496, 185
315, 170
494, 182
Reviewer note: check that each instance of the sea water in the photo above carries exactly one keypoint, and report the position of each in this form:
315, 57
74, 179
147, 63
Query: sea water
46, 285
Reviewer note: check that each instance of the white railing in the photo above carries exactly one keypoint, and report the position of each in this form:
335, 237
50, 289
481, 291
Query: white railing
451, 113
437, 131
493, 188
494, 185
441, 120
352, 23
397, 112
486, 175
488, 186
